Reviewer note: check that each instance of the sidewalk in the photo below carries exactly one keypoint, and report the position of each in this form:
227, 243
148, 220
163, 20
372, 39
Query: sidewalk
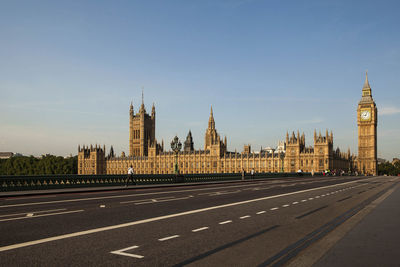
374, 241
109, 188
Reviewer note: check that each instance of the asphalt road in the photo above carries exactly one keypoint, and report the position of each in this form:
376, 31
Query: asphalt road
256, 223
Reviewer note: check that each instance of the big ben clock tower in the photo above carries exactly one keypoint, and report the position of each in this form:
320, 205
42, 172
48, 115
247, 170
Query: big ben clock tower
367, 119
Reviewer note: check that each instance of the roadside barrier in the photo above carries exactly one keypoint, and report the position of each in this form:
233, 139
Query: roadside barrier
42, 182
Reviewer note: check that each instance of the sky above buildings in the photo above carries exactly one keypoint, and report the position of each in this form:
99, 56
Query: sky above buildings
69, 70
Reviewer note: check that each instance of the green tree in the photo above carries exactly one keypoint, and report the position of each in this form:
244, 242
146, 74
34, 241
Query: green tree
47, 164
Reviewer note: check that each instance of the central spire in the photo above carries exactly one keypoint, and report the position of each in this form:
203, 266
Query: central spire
366, 83
211, 122
142, 109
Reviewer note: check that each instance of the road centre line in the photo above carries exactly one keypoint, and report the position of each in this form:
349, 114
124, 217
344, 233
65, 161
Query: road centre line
168, 238
296, 202
225, 222
274, 208
285, 206
199, 229
261, 212
23, 213
112, 227
244, 217
22, 198
42, 215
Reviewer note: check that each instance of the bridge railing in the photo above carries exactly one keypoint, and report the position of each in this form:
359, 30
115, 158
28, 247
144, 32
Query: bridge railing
39, 182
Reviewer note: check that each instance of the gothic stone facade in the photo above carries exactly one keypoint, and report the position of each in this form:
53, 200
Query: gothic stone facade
147, 156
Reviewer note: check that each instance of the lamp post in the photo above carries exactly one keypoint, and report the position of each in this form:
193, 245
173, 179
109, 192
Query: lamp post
176, 147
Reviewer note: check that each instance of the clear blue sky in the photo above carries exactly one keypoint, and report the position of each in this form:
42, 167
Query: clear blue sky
69, 70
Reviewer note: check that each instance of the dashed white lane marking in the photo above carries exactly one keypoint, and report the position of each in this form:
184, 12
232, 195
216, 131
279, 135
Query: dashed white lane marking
317, 197
261, 212
304, 200
244, 217
322, 195
294, 203
42, 215
102, 206
285, 206
199, 229
311, 198
225, 222
128, 224
122, 253
274, 208
168, 238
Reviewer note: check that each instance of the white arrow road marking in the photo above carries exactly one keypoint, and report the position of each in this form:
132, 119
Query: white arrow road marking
122, 253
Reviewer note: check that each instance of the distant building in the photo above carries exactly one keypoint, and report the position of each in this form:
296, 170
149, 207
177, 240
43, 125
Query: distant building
147, 156
289, 156
381, 161
6, 155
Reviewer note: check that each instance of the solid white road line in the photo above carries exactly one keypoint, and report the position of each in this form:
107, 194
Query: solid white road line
122, 253
199, 229
225, 222
261, 212
244, 217
42, 215
112, 227
34, 212
168, 238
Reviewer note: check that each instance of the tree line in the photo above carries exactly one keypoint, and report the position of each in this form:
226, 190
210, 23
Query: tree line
47, 164
389, 168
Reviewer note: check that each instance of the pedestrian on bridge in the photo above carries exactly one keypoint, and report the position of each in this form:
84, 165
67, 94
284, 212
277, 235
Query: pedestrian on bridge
130, 176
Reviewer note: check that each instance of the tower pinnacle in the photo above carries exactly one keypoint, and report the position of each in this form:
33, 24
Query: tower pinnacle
142, 108
211, 122
366, 83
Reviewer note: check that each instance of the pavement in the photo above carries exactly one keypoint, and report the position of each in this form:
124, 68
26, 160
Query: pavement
373, 241
107, 188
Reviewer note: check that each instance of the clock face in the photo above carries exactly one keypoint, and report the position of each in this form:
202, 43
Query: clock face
365, 115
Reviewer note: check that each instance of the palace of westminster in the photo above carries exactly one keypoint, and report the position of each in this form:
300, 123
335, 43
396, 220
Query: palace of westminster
147, 156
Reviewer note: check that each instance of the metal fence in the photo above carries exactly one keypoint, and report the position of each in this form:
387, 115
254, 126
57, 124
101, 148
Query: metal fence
42, 182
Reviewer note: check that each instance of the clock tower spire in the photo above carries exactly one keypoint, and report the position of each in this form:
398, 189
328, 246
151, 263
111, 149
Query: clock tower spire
367, 120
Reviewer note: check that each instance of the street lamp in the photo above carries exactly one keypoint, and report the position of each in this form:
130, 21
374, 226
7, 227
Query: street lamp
176, 147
